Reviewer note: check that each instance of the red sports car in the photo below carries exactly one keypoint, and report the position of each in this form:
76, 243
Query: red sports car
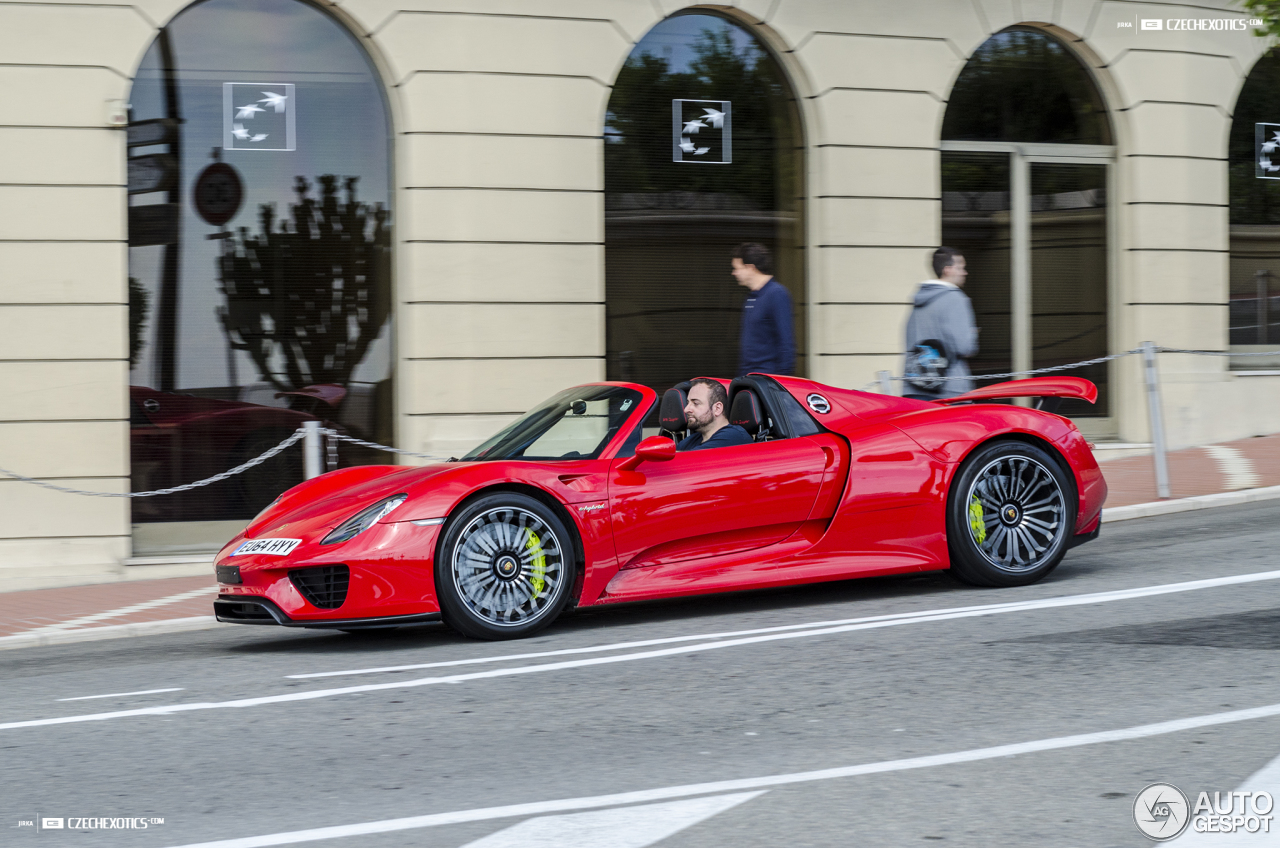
571, 505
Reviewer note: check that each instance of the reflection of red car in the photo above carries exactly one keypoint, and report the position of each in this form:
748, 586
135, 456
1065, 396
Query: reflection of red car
569, 505
179, 438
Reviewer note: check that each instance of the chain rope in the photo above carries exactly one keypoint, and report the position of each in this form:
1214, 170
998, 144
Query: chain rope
185, 487
335, 435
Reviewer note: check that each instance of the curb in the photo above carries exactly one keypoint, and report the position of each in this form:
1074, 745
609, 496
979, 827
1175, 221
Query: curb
111, 631
1146, 510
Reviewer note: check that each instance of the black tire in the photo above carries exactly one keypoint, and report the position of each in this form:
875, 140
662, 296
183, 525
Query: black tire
505, 567
1011, 513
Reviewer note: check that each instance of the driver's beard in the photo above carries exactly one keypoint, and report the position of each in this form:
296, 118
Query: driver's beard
698, 426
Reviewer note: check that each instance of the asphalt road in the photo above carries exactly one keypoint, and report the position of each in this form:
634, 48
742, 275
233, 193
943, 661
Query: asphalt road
926, 728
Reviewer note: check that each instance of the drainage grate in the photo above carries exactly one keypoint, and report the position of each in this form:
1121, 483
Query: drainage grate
324, 586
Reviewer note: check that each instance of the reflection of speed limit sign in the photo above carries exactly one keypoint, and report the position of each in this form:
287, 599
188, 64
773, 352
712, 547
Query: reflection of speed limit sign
218, 193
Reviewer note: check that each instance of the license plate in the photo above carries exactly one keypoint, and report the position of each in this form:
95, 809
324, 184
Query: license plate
268, 547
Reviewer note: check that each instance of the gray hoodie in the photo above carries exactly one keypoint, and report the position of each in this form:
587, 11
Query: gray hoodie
943, 312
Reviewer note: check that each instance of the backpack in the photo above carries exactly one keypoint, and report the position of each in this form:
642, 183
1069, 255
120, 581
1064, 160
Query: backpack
927, 364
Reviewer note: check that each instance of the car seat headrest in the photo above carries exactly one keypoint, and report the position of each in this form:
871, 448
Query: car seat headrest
671, 413
746, 412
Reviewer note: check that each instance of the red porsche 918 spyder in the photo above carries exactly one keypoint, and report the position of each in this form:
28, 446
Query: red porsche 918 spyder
571, 505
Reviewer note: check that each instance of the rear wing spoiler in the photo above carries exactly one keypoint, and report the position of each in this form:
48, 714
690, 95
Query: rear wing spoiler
1040, 387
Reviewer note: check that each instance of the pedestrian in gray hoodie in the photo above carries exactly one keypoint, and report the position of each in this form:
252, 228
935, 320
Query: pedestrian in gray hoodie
942, 314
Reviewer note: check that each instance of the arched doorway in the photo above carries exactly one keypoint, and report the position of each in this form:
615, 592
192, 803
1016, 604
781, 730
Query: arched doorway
1026, 161
247, 319
1253, 160
672, 218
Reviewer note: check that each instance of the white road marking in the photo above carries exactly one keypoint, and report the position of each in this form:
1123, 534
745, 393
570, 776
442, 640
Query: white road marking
116, 613
1235, 467
1045, 603
1266, 780
620, 827
122, 694
902, 617
643, 796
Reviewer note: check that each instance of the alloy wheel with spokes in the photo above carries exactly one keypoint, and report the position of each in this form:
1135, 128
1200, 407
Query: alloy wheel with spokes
506, 569
1010, 515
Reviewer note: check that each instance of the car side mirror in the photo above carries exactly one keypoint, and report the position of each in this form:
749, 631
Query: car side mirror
652, 449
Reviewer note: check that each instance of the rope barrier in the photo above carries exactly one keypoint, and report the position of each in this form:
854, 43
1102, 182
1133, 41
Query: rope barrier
217, 478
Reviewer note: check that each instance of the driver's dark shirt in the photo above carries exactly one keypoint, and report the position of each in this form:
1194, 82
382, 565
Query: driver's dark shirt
726, 436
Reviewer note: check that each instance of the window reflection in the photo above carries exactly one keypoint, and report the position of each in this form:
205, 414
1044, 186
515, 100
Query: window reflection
672, 308
1254, 306
241, 331
1024, 85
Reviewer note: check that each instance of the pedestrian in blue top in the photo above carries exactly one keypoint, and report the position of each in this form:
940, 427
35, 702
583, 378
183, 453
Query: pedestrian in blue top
768, 341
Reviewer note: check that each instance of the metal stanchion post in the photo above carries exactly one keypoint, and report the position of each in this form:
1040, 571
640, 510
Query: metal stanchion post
311, 448
1157, 420
886, 382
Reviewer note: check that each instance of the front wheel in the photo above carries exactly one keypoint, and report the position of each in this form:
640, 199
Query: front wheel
505, 567
1010, 514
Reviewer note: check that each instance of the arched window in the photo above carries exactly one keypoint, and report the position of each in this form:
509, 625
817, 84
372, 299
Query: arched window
673, 216
259, 260
1025, 167
1254, 167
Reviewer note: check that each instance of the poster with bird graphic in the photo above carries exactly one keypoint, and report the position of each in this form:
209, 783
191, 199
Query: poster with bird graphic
701, 131
258, 116
1266, 155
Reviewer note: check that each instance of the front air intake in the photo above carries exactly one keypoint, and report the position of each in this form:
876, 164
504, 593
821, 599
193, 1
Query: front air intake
324, 586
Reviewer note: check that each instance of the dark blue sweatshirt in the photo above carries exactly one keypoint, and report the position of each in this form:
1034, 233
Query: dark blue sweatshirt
768, 342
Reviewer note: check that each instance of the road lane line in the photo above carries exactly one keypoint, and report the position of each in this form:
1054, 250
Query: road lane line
1064, 601
1143, 731
1097, 597
619, 827
122, 694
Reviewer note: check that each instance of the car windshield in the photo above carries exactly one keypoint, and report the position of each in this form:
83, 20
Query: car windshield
575, 424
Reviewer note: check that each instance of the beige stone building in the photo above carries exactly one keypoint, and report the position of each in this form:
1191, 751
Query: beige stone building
529, 240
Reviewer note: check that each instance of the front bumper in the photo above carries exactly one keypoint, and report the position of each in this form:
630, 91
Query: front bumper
383, 577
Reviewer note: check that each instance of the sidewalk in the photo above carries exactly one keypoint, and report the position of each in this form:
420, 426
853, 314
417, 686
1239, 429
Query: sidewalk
137, 607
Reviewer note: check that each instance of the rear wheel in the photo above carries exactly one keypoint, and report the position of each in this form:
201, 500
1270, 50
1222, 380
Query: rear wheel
1010, 515
505, 567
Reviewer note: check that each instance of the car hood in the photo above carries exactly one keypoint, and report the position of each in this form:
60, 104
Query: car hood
319, 505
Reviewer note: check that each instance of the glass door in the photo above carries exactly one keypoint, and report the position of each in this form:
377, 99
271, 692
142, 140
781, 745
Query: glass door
1031, 221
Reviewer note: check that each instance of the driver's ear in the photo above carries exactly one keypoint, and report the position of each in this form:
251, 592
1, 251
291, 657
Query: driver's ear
717, 412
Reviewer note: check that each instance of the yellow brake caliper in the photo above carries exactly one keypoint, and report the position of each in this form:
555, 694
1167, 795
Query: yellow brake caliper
539, 563
976, 522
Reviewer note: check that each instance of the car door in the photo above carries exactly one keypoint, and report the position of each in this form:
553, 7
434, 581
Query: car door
707, 503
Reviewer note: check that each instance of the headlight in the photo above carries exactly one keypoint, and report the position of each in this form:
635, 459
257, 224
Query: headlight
363, 520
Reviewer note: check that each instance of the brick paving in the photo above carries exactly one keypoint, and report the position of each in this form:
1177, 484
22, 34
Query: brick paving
23, 612
1235, 465
1244, 464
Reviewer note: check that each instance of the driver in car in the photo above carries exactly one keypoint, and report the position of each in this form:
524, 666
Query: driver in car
708, 425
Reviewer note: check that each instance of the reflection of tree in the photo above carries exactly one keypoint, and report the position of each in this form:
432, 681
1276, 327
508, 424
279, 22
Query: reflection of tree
1023, 85
638, 155
139, 306
307, 298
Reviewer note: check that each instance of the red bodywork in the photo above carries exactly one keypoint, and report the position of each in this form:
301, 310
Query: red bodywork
866, 496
